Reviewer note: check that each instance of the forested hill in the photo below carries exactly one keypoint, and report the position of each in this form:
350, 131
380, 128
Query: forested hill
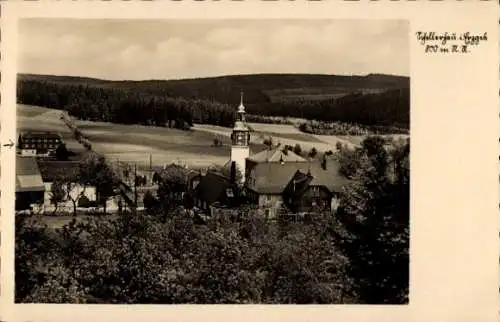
258, 88
265, 94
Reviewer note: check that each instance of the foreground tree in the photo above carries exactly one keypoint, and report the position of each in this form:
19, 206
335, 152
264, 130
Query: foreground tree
94, 171
374, 215
62, 153
65, 188
57, 194
141, 258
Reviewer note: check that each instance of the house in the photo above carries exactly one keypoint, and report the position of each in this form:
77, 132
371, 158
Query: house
38, 143
67, 173
318, 189
214, 190
30, 189
300, 186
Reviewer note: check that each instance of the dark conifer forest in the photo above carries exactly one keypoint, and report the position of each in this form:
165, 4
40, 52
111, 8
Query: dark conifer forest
372, 100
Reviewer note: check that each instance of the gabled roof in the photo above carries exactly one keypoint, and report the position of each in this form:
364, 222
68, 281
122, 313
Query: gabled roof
273, 177
28, 176
41, 135
276, 154
212, 186
178, 170
298, 184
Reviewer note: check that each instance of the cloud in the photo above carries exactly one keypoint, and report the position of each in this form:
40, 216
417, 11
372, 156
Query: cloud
185, 49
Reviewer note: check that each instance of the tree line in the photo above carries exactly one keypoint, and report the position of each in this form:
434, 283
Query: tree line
126, 106
374, 111
163, 255
153, 105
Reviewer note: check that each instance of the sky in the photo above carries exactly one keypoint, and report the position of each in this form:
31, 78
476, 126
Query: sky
176, 49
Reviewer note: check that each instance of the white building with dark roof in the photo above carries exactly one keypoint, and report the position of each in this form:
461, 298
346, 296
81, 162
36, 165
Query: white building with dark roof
38, 143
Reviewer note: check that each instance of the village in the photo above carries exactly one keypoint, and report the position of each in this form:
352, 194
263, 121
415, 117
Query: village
214, 173
274, 182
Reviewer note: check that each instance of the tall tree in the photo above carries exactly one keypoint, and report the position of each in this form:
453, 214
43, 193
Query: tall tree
94, 171
374, 213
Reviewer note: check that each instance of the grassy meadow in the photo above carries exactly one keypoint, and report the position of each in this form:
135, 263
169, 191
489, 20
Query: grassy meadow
129, 143
135, 143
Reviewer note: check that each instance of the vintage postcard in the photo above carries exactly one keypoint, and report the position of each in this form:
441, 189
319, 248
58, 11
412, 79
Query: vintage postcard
249, 160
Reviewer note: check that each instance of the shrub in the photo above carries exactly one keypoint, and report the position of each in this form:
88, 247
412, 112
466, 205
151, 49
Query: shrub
297, 149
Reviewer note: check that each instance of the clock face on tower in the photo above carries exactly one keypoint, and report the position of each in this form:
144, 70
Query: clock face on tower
240, 138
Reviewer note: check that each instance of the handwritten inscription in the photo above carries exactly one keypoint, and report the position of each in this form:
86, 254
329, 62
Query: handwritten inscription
450, 42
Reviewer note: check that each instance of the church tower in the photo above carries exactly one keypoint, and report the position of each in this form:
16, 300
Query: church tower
240, 140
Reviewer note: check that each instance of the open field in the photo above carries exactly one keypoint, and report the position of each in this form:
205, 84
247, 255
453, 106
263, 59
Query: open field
281, 131
34, 118
306, 141
132, 143
260, 131
332, 140
314, 93
135, 143
274, 128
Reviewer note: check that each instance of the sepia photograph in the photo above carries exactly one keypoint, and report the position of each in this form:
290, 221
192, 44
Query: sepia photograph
221, 161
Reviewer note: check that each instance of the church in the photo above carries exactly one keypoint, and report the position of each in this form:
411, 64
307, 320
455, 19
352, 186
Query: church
270, 179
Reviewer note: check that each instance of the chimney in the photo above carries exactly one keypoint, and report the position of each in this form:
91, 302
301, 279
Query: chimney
232, 173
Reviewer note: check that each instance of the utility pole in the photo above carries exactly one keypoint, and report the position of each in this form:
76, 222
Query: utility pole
151, 167
135, 185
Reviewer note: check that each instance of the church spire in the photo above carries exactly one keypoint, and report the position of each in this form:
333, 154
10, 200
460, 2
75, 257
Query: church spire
241, 108
240, 140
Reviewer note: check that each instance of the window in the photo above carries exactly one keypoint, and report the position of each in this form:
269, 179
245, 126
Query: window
229, 192
268, 198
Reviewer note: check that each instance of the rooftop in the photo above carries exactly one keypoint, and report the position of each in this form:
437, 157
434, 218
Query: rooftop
28, 177
276, 154
42, 135
272, 177
213, 185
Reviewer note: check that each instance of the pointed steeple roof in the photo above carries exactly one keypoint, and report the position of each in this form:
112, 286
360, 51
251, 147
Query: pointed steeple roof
241, 107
